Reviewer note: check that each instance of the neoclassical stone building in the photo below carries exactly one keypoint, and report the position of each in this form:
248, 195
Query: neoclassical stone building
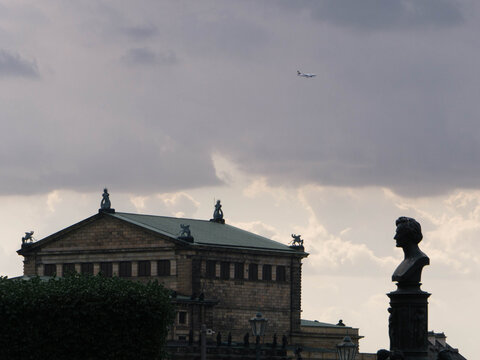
219, 275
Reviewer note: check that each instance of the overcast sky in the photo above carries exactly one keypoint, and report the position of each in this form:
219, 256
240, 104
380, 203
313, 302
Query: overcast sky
174, 103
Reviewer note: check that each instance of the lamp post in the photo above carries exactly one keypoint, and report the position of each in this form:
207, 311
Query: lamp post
258, 324
346, 350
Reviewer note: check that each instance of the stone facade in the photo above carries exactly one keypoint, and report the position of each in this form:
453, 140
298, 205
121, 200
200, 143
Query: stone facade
225, 300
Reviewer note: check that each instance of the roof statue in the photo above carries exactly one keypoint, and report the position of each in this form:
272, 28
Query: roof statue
185, 233
185, 230
218, 214
105, 204
28, 237
296, 242
408, 235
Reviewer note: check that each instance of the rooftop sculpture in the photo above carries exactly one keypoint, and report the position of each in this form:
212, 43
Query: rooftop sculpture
297, 241
185, 233
218, 214
105, 204
185, 230
28, 237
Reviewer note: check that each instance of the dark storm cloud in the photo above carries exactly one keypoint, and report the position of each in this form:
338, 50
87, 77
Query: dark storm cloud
141, 32
382, 14
89, 158
418, 145
12, 64
145, 56
397, 110
230, 35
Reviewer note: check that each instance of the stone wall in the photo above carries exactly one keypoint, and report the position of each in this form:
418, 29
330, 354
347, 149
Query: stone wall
29, 266
110, 240
240, 299
107, 233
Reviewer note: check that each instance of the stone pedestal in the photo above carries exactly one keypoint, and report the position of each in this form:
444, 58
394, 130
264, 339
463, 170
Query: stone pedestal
408, 321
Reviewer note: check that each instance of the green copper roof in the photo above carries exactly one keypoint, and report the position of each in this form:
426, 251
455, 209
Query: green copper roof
205, 232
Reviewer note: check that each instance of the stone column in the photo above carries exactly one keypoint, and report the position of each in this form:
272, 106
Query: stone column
408, 322
115, 269
96, 268
59, 271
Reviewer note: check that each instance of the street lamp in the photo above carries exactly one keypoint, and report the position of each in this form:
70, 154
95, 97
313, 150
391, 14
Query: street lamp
258, 324
346, 350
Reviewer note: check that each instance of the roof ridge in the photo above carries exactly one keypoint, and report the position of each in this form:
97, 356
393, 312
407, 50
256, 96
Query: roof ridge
160, 216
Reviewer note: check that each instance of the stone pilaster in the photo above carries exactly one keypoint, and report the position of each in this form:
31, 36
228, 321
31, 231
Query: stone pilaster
408, 322
296, 294
196, 273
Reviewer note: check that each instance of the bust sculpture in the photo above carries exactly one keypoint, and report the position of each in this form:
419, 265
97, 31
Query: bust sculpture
408, 235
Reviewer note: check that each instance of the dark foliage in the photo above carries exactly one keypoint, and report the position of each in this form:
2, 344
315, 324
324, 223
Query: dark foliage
83, 317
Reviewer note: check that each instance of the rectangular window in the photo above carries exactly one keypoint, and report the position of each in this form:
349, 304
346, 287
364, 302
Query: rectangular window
182, 317
86, 268
267, 272
163, 267
68, 269
211, 269
125, 269
49, 269
281, 275
144, 268
106, 269
239, 271
252, 272
225, 270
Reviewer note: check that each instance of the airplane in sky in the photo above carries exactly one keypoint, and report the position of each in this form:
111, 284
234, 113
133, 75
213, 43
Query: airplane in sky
299, 73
